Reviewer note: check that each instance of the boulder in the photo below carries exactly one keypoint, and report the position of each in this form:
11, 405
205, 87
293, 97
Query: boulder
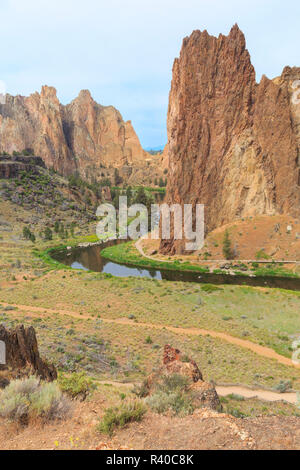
204, 395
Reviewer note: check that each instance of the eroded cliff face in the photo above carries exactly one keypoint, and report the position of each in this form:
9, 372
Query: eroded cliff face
233, 144
82, 136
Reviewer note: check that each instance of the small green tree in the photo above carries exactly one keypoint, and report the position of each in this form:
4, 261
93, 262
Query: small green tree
117, 177
26, 232
56, 226
105, 182
48, 233
32, 237
62, 231
161, 182
227, 250
115, 198
72, 227
129, 195
141, 196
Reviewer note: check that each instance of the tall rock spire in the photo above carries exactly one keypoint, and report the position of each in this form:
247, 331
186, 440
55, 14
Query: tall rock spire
232, 143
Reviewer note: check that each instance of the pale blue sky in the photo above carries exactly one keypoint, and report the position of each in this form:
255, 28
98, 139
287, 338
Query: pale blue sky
123, 51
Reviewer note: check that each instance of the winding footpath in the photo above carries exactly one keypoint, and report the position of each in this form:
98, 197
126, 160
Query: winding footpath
246, 344
140, 249
224, 390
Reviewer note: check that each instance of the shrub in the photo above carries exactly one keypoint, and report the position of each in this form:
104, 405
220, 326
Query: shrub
28, 235
178, 402
173, 383
120, 416
49, 402
26, 232
236, 396
141, 391
48, 233
185, 358
262, 255
236, 412
77, 385
210, 288
29, 398
283, 386
105, 182
171, 395
32, 237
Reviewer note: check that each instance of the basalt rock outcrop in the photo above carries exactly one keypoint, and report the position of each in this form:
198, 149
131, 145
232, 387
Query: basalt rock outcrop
82, 136
22, 356
233, 144
176, 364
12, 166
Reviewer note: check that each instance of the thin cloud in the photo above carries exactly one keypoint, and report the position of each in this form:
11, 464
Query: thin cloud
123, 52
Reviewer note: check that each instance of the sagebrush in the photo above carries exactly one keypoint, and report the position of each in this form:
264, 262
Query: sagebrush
29, 398
76, 385
121, 415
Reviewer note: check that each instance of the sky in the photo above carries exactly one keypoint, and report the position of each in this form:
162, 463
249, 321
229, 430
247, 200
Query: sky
123, 51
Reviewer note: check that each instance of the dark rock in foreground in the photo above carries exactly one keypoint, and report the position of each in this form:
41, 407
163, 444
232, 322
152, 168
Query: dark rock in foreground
22, 356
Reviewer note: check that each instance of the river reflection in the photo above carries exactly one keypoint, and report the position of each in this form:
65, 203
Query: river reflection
90, 258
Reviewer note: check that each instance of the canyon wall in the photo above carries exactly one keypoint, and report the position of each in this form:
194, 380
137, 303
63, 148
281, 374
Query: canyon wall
82, 136
233, 144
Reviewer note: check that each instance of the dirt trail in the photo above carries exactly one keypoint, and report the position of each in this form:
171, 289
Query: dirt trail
266, 395
139, 247
260, 350
223, 390
256, 348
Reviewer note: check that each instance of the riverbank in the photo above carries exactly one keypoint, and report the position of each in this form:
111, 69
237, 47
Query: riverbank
132, 254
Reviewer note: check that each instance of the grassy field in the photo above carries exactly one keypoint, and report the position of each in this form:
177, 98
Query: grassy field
125, 353
265, 316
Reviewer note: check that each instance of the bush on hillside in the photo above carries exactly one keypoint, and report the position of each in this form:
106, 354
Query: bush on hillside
28, 398
76, 385
121, 415
171, 395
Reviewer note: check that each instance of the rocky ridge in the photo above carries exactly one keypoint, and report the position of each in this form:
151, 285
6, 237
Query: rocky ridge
82, 136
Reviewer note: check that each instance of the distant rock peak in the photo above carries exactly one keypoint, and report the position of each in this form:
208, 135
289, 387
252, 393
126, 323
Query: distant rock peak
82, 136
